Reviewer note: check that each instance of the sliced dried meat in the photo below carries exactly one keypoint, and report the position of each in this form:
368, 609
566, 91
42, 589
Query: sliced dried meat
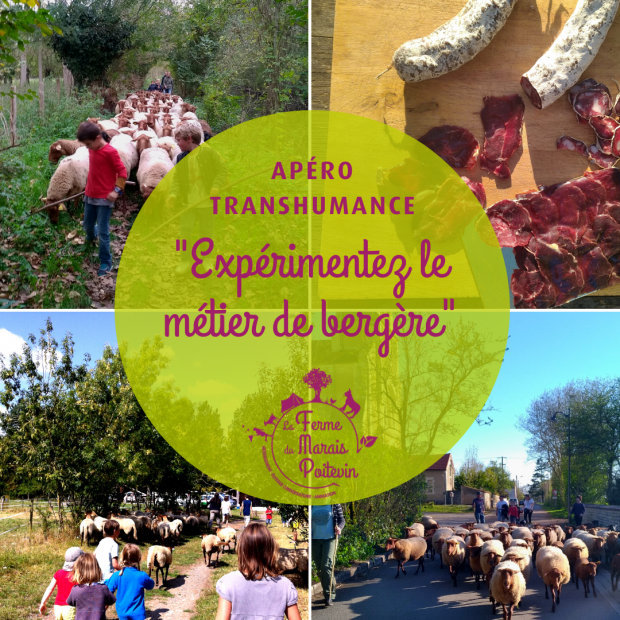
455, 145
567, 143
502, 119
526, 259
596, 270
594, 102
532, 290
596, 156
561, 269
579, 88
610, 180
477, 190
613, 210
511, 223
607, 232
543, 215
604, 126
604, 145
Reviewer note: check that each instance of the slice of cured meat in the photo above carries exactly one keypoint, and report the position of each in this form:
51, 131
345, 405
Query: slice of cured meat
525, 258
586, 84
502, 119
604, 126
604, 145
455, 145
610, 180
567, 143
596, 156
543, 215
607, 232
477, 189
593, 102
596, 270
532, 290
511, 223
613, 210
561, 269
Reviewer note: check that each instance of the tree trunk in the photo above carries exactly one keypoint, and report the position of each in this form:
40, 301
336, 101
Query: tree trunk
59, 505
67, 76
23, 71
41, 83
58, 87
13, 117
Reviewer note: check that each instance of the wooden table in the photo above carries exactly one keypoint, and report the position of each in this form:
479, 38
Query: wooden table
367, 32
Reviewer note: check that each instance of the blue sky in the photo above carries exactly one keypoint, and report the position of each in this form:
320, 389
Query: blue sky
546, 349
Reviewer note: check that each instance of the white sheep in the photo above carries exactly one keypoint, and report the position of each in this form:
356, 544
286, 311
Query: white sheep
164, 532
210, 544
552, 566
593, 543
126, 151
88, 530
439, 537
289, 560
405, 549
522, 556
227, 535
507, 587
417, 529
575, 549
453, 555
176, 527
128, 527
69, 179
160, 558
62, 148
490, 556
154, 165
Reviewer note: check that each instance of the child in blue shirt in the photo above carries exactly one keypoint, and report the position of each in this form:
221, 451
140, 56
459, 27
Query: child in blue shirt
130, 583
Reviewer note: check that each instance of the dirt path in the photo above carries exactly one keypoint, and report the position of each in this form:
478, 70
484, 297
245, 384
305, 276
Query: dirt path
186, 589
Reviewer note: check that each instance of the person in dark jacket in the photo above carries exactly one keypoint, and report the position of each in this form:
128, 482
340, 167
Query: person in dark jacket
578, 510
167, 83
327, 525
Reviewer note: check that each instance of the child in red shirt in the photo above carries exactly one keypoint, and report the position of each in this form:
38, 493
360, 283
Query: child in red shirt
269, 515
513, 512
62, 579
106, 181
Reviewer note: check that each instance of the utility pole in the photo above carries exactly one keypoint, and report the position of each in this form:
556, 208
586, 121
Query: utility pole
502, 458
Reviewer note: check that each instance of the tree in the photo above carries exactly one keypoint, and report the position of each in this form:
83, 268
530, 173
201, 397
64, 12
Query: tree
94, 36
539, 476
18, 21
317, 380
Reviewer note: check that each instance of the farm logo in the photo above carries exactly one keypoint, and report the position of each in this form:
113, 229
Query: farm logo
311, 448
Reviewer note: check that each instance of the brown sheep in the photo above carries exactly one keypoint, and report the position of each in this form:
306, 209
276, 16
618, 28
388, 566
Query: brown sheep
474, 563
507, 587
293, 560
574, 549
585, 571
405, 549
505, 538
552, 566
60, 148
615, 572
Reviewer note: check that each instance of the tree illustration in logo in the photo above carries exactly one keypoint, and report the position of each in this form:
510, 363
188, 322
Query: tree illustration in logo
317, 380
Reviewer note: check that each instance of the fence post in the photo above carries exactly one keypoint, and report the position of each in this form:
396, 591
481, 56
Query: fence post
13, 116
31, 512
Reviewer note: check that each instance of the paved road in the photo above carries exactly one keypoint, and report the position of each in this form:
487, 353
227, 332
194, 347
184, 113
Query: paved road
431, 595
540, 516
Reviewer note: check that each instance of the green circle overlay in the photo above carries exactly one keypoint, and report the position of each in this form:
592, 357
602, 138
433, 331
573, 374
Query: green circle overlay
323, 418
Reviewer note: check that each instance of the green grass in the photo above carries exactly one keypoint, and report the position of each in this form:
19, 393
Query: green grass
456, 509
556, 513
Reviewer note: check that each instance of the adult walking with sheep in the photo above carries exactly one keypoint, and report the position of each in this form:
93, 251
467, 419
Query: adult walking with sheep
478, 507
167, 83
327, 524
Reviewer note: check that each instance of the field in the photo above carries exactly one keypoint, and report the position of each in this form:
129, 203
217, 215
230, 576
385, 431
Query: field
455, 509
27, 568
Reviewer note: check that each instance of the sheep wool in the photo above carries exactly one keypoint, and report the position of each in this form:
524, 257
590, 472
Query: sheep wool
154, 166
126, 150
210, 544
293, 560
159, 558
507, 586
522, 557
491, 554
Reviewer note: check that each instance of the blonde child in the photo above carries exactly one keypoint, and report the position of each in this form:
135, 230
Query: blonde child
256, 590
89, 597
129, 584
62, 580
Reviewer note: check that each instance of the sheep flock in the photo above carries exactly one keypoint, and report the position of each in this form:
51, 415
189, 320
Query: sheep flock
143, 132
504, 556
163, 531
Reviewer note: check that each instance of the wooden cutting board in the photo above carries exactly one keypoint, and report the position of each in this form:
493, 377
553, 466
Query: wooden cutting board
367, 32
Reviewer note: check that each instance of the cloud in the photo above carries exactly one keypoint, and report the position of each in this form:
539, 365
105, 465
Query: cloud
10, 343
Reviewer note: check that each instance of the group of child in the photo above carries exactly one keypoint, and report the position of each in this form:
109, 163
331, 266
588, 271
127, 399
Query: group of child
86, 583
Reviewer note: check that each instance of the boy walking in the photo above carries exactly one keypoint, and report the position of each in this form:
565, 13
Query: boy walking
106, 181
107, 550
166, 83
269, 515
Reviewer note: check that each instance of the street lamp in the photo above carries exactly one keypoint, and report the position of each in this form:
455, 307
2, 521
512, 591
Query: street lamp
554, 419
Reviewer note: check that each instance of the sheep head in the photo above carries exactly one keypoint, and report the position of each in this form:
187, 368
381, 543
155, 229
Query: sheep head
167, 130
390, 544
55, 153
142, 125
553, 577
93, 120
508, 576
452, 547
474, 539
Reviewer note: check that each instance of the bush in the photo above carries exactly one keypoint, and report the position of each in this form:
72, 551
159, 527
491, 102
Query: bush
354, 544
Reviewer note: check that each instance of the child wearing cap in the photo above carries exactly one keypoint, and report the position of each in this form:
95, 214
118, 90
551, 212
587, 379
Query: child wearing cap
62, 580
